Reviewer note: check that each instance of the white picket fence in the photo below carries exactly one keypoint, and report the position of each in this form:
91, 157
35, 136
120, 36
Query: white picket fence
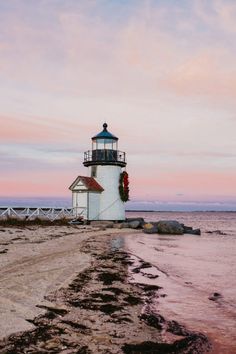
50, 213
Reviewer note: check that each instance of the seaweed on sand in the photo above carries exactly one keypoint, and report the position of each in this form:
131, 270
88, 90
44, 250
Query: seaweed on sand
193, 344
108, 277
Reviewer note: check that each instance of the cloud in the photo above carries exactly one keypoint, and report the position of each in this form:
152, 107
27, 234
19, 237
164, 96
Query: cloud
161, 73
32, 157
18, 129
198, 185
209, 74
218, 14
36, 184
79, 53
36, 129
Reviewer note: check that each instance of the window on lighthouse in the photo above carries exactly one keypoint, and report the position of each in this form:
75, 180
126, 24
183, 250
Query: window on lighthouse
94, 171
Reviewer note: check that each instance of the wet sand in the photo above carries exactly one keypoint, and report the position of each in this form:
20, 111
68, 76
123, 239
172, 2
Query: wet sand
197, 274
68, 290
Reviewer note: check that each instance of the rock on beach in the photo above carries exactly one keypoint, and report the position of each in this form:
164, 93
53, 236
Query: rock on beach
150, 228
169, 227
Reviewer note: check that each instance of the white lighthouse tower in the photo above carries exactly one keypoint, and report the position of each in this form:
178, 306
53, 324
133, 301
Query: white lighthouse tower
98, 197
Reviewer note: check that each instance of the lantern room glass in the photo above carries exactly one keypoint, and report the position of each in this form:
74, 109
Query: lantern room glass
104, 144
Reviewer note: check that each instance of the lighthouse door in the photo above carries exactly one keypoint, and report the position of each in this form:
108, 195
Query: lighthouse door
80, 204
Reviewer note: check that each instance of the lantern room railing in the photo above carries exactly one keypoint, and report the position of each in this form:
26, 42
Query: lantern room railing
104, 156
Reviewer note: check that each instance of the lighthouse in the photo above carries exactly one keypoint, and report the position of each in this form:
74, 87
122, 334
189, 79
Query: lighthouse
102, 194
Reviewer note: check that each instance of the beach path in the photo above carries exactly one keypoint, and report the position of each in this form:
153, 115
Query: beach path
34, 262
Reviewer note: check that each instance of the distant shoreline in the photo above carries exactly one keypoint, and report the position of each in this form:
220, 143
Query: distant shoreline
180, 211
131, 206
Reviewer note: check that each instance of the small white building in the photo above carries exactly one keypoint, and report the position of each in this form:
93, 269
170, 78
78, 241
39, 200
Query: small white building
97, 197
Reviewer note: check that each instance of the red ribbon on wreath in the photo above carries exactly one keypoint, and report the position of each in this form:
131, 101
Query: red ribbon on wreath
124, 186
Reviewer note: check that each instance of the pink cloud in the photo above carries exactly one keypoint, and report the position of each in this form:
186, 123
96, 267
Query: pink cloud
40, 129
139, 74
85, 56
16, 130
204, 185
210, 73
38, 183
219, 14
199, 186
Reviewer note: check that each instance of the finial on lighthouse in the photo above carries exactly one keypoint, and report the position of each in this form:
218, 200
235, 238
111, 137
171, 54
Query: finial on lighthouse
105, 127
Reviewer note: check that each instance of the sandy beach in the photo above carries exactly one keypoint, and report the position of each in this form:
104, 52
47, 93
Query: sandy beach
66, 290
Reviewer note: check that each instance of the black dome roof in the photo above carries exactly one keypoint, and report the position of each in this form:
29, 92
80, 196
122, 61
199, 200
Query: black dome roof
105, 134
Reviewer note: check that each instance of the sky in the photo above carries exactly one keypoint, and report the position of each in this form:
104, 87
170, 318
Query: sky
161, 73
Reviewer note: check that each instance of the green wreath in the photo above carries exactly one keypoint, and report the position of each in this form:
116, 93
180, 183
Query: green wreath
124, 186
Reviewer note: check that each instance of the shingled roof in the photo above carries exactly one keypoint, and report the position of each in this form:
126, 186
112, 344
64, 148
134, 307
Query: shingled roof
89, 182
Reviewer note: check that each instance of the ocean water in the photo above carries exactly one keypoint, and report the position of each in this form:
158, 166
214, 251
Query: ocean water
131, 205
190, 269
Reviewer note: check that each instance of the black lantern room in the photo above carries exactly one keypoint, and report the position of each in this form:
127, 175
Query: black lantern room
104, 150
